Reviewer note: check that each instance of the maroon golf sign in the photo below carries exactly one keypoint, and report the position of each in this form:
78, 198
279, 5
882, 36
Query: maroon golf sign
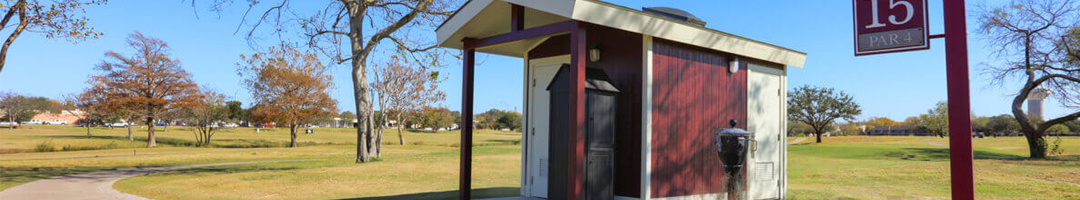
886, 26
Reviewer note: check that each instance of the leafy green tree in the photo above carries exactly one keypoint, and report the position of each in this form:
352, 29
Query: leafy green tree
347, 117
1073, 125
821, 107
489, 119
1059, 129
1002, 124
849, 129
510, 120
437, 118
237, 112
936, 120
879, 122
980, 124
796, 128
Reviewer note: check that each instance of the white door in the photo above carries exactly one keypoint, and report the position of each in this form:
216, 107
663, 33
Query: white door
541, 72
765, 121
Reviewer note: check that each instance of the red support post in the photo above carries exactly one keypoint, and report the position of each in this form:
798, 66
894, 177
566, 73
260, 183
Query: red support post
465, 179
576, 139
956, 50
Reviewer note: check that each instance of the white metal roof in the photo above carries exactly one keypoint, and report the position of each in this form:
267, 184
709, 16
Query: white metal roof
485, 18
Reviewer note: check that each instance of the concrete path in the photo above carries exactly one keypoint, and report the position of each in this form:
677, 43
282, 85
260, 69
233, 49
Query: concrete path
94, 185
797, 140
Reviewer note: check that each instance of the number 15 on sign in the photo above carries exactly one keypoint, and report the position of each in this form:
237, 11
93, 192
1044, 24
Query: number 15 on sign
886, 26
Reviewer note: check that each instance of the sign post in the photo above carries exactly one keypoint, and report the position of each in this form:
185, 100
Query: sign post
956, 61
887, 26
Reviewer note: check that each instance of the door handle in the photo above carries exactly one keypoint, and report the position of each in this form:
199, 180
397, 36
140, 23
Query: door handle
753, 148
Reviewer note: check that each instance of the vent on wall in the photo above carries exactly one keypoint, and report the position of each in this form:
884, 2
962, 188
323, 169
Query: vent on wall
675, 13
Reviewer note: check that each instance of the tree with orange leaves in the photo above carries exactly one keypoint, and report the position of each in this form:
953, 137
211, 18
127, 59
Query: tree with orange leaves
149, 83
288, 87
57, 18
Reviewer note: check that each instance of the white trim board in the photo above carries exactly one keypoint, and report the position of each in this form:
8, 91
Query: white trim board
627, 19
646, 119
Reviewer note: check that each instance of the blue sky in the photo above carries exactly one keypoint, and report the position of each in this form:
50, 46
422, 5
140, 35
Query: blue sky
894, 85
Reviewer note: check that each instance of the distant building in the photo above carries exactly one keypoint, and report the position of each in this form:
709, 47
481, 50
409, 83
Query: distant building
62, 118
898, 131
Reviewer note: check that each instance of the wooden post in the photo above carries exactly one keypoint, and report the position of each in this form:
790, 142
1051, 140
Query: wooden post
465, 182
517, 18
576, 139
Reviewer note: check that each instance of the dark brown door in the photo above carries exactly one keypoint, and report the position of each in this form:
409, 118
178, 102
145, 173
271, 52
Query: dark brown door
600, 171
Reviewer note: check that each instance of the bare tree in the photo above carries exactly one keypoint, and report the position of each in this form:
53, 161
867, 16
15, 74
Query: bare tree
150, 82
1033, 37
205, 116
288, 87
89, 103
70, 103
341, 23
400, 88
56, 18
19, 107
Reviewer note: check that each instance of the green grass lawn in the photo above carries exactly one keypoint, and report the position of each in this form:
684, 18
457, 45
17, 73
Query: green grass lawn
856, 167
911, 168
434, 155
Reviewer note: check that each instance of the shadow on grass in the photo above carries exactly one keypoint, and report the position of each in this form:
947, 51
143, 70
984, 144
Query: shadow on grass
230, 169
508, 142
22, 175
943, 154
482, 193
226, 143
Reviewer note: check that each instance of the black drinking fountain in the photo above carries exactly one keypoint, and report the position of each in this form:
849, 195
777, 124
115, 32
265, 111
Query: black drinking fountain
732, 145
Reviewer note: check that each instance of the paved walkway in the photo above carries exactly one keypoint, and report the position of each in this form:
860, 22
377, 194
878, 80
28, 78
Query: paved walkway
94, 185
797, 140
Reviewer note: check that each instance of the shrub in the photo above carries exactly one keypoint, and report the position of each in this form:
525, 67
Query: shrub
111, 145
45, 146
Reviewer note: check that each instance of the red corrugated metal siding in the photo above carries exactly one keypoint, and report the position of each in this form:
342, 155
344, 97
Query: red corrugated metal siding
693, 95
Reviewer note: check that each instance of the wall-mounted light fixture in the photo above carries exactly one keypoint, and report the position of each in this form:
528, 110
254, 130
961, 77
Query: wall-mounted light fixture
733, 65
594, 53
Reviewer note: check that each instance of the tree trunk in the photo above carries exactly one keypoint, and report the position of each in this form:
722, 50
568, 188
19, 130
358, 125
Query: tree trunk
88, 128
131, 137
1036, 145
151, 140
23, 21
292, 134
818, 135
376, 142
206, 138
401, 135
364, 147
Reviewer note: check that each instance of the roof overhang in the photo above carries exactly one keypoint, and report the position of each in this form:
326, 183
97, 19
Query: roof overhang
486, 18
